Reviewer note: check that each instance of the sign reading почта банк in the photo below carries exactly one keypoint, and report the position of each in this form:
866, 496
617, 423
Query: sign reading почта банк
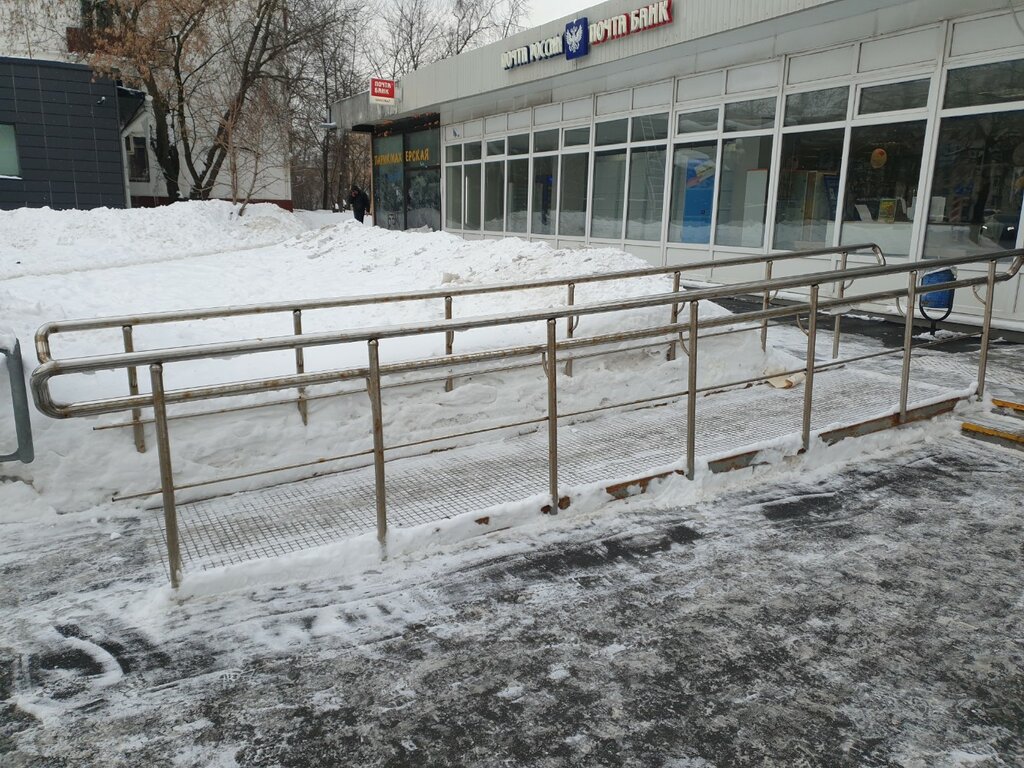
580, 34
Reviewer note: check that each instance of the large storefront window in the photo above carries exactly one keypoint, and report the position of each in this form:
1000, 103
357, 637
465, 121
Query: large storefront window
423, 180
609, 194
978, 182
743, 192
572, 214
646, 193
453, 197
472, 196
518, 195
8, 152
808, 189
881, 188
545, 174
494, 197
693, 193
389, 182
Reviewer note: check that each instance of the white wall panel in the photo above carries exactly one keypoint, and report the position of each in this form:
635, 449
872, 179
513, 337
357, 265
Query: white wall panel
819, 66
608, 103
549, 113
519, 119
988, 34
572, 110
752, 78
656, 95
899, 50
700, 86
496, 124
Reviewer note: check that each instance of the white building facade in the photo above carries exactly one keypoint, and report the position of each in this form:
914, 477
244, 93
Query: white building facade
703, 129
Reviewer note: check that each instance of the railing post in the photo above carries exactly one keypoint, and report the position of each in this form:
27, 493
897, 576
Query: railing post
133, 389
570, 325
449, 341
812, 338
163, 446
552, 372
908, 339
673, 316
691, 394
765, 303
300, 366
986, 332
377, 412
838, 318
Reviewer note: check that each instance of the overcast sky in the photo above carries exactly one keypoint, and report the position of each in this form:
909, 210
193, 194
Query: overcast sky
546, 10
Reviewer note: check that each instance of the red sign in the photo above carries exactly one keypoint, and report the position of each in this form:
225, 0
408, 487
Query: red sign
382, 91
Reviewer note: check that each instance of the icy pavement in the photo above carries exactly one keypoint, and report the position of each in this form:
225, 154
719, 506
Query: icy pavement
868, 614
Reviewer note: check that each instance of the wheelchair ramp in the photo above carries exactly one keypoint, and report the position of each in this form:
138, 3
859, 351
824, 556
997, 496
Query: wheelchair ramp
612, 449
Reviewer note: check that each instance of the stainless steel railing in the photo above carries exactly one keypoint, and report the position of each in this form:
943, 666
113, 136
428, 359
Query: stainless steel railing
128, 323
689, 332
19, 400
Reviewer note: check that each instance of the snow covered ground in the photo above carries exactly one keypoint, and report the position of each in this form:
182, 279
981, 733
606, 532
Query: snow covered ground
860, 605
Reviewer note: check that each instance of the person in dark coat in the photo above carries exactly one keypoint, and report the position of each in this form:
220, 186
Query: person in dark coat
359, 202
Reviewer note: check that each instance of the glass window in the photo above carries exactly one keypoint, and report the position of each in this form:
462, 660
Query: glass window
750, 115
650, 127
696, 122
825, 106
389, 182
808, 189
519, 145
988, 84
693, 193
138, 158
609, 194
646, 193
976, 191
453, 154
424, 196
472, 150
612, 132
895, 96
743, 191
545, 141
545, 173
518, 195
453, 197
572, 210
8, 152
472, 195
495, 147
881, 185
576, 137
494, 197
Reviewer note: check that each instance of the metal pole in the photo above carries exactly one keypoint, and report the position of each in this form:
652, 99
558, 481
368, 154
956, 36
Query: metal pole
449, 341
691, 395
552, 371
300, 365
376, 409
163, 446
570, 326
908, 339
765, 304
836, 330
133, 389
986, 334
674, 316
812, 338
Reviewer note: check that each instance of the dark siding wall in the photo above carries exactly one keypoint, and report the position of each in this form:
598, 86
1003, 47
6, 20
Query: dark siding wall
68, 135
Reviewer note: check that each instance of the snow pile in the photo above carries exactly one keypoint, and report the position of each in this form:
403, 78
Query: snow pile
40, 241
77, 468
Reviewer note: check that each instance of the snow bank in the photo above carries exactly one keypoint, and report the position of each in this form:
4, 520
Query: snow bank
77, 468
40, 241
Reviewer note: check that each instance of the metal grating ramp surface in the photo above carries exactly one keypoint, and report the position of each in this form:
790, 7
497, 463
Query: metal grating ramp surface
607, 449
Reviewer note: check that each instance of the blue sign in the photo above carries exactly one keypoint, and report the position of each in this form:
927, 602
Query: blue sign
577, 39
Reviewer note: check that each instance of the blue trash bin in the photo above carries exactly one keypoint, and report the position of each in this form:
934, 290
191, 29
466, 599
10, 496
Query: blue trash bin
938, 299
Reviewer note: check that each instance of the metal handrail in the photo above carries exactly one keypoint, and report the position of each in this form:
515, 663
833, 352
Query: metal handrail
688, 331
19, 398
127, 323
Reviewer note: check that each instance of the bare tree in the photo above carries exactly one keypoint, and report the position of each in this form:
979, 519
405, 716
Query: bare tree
410, 34
199, 61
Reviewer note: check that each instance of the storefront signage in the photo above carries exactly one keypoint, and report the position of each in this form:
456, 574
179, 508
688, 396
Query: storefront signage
421, 155
580, 34
382, 91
